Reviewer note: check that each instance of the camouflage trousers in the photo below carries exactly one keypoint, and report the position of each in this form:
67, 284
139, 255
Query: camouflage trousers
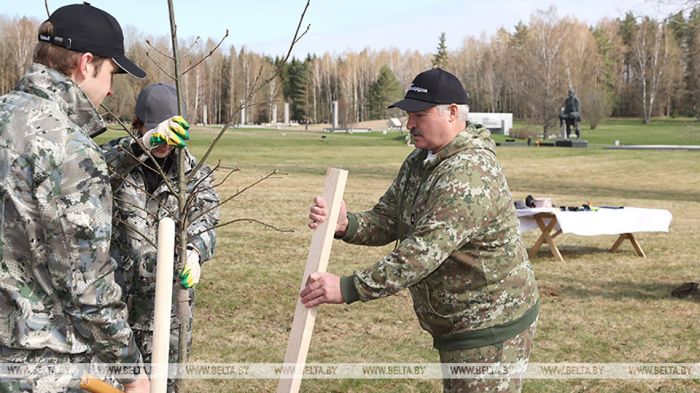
41, 382
515, 351
144, 341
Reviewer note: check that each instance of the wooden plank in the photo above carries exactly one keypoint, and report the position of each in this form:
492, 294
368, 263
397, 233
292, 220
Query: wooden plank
165, 266
317, 261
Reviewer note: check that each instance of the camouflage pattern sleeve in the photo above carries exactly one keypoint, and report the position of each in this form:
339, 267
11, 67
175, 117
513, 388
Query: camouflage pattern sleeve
122, 156
204, 212
76, 204
459, 204
378, 226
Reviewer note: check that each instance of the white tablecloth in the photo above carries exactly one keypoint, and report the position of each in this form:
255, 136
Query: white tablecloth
601, 222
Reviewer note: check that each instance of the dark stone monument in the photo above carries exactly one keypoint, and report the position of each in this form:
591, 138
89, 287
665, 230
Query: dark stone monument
569, 120
571, 114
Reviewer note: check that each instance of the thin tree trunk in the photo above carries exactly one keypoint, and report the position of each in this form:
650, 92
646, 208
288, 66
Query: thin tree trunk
184, 313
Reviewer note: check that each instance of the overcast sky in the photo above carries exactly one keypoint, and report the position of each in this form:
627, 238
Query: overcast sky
266, 26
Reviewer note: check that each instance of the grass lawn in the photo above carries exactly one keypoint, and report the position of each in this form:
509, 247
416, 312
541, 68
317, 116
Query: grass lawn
597, 307
666, 131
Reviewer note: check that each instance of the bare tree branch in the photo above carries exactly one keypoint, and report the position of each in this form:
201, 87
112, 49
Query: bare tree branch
262, 179
159, 67
196, 40
298, 37
196, 190
124, 201
211, 52
225, 177
208, 175
249, 220
158, 50
126, 224
150, 195
46, 5
255, 89
141, 163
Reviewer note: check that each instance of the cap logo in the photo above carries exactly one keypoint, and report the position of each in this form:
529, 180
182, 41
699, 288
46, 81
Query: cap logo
417, 89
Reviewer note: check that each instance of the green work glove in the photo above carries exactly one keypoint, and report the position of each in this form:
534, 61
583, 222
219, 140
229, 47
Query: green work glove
173, 131
189, 276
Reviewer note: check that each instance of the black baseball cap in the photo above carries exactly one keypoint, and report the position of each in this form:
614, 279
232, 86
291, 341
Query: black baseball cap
433, 87
84, 28
155, 103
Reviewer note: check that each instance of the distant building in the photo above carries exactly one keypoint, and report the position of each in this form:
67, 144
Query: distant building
498, 123
394, 124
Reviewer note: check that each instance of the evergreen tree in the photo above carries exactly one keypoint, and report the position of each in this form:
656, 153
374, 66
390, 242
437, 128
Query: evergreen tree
383, 92
519, 37
295, 82
440, 58
625, 104
692, 74
602, 99
682, 96
605, 47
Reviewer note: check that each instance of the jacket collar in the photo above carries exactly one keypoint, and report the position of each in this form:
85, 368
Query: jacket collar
49, 84
473, 136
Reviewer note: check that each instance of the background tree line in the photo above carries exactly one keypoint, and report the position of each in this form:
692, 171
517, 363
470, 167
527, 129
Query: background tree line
625, 67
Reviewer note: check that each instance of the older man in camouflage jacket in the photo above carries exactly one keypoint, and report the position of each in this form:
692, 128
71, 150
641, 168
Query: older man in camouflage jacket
459, 252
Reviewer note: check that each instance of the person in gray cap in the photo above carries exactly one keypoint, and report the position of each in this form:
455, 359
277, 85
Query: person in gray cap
59, 302
458, 250
141, 198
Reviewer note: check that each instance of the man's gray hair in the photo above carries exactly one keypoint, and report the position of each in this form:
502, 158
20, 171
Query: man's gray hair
462, 111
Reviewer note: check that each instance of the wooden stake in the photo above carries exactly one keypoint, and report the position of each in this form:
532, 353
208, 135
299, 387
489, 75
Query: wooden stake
317, 261
164, 298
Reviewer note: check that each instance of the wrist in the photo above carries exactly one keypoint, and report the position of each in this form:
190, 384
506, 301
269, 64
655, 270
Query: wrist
348, 290
341, 227
145, 141
350, 227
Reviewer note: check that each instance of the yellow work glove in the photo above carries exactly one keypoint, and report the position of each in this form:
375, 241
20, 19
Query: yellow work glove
189, 276
173, 131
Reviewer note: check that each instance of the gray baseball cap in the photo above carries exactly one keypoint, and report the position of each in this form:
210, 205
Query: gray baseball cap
155, 103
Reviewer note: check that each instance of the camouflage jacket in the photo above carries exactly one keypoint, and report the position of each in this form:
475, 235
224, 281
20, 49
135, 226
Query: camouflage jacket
57, 287
459, 251
136, 214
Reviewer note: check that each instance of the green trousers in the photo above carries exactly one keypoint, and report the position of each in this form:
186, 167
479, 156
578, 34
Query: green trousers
514, 351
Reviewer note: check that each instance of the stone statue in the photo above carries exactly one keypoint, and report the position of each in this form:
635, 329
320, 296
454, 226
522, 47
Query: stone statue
571, 114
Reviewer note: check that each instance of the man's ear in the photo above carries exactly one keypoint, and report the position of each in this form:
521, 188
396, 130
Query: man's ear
84, 67
454, 112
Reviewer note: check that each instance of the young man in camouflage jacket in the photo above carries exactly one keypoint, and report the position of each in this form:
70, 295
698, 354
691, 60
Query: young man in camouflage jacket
459, 251
141, 199
58, 298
